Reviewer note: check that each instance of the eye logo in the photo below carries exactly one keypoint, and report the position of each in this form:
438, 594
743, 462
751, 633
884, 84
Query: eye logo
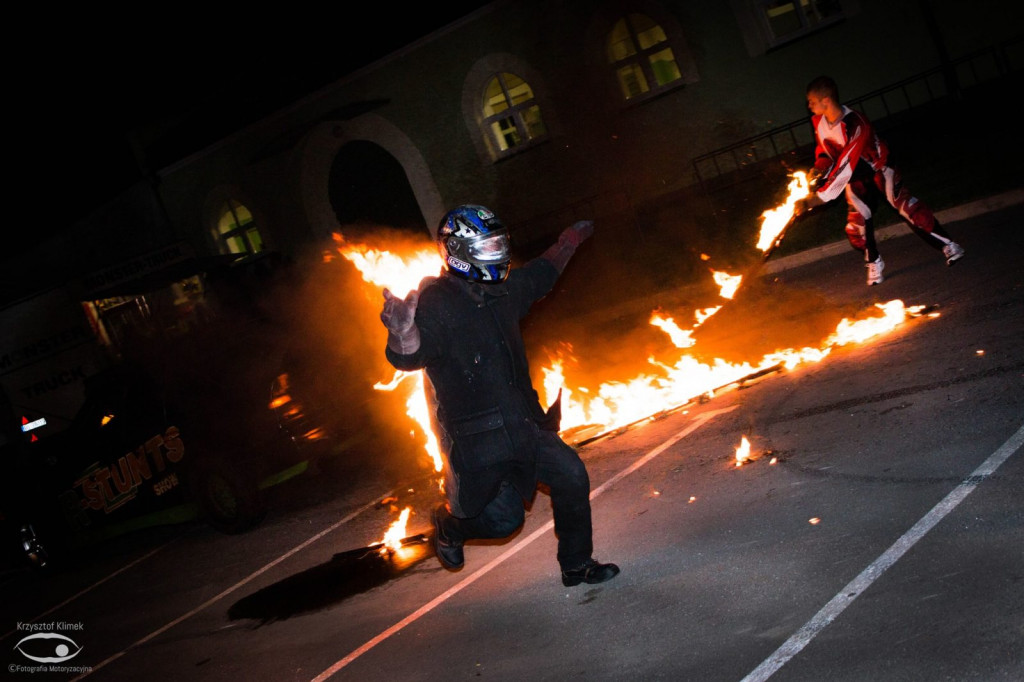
63, 651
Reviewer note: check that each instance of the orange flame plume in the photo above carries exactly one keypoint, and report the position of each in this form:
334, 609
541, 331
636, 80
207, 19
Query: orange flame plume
611, 405
775, 219
392, 542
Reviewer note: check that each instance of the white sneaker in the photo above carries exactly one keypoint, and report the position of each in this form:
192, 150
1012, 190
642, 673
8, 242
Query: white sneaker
953, 252
875, 268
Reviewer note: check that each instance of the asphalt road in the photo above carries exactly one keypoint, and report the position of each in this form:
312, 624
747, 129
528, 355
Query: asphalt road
876, 533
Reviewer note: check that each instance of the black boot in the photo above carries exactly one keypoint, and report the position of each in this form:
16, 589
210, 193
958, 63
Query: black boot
449, 551
590, 572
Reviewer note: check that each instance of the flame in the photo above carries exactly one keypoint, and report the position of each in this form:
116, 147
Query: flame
703, 315
392, 541
680, 337
400, 274
417, 408
620, 403
775, 219
743, 451
595, 410
728, 284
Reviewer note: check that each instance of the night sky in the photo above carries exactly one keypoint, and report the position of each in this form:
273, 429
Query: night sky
81, 90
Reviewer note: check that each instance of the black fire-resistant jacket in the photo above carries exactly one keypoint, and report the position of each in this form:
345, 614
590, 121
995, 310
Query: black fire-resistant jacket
487, 411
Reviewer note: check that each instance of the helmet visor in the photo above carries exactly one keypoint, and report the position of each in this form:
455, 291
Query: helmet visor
490, 249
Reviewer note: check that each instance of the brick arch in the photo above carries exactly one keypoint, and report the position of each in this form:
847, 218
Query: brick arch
322, 145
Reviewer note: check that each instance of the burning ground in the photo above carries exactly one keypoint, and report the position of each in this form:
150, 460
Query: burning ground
612, 354
625, 359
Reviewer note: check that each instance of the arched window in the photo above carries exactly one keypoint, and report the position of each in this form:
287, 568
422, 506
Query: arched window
511, 113
236, 232
640, 54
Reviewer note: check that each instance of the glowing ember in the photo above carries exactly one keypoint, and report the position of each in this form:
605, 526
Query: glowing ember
392, 542
728, 283
814, 521
775, 219
743, 452
693, 499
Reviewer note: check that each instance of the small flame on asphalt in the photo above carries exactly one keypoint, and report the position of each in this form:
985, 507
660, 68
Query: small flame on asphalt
743, 452
392, 542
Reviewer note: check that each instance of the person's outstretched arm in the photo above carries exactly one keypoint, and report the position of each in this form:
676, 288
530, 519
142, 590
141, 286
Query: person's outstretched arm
559, 253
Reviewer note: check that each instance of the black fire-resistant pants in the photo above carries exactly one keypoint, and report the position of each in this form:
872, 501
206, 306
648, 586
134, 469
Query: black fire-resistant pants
558, 467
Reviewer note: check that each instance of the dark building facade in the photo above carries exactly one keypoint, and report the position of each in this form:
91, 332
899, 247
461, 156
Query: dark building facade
543, 111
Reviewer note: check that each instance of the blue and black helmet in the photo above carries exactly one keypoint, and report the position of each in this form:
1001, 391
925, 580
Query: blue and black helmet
474, 244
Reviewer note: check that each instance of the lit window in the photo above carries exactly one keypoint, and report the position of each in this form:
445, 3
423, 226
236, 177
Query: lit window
511, 113
236, 232
642, 57
786, 20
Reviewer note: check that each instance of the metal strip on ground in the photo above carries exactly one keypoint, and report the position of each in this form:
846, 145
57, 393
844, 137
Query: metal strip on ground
802, 637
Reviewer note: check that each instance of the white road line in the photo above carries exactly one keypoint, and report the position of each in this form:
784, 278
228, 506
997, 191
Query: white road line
802, 637
469, 580
93, 586
234, 587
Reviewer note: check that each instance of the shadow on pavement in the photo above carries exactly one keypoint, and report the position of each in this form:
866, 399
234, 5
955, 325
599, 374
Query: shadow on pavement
345, 575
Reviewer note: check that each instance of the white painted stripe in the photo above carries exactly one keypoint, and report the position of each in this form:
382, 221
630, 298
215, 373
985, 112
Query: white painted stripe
469, 580
234, 587
802, 637
93, 586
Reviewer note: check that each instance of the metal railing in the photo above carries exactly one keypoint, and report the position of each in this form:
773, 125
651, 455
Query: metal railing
739, 161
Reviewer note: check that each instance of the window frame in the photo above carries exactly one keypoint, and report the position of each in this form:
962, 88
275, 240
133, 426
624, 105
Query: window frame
806, 28
513, 110
759, 35
474, 87
641, 57
240, 231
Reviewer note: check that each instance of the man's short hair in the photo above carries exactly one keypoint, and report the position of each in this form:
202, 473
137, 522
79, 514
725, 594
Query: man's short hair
824, 86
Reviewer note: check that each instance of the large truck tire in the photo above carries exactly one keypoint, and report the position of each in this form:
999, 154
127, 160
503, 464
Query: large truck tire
228, 499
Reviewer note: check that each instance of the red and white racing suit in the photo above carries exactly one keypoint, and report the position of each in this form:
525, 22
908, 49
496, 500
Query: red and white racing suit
851, 157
